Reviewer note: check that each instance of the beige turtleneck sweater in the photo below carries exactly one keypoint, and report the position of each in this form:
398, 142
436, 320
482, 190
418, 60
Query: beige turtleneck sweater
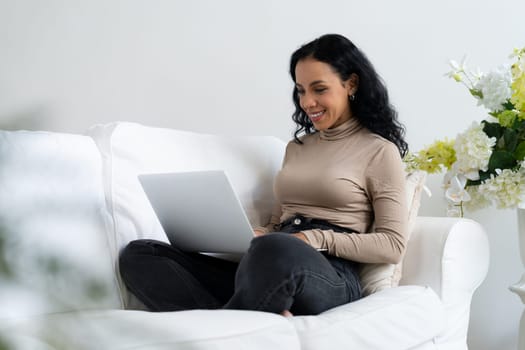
350, 177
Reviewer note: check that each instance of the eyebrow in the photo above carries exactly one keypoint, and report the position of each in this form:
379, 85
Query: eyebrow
312, 83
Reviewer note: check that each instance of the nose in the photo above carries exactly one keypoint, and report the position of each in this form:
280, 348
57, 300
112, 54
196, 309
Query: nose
307, 101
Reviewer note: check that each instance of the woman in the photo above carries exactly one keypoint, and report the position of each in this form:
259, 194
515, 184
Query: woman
340, 195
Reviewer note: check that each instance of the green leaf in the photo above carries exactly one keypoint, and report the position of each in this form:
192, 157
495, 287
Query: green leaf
483, 175
473, 183
492, 129
518, 124
509, 106
519, 153
501, 160
476, 93
511, 140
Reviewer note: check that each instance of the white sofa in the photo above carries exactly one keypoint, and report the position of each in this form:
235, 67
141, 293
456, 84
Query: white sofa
69, 203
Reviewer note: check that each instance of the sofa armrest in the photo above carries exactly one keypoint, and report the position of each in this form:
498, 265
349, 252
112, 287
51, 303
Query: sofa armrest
451, 255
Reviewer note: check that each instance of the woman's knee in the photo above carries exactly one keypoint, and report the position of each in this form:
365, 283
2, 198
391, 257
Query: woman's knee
133, 248
279, 251
142, 247
276, 244
134, 252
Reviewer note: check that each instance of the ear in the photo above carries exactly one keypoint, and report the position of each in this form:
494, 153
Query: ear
352, 84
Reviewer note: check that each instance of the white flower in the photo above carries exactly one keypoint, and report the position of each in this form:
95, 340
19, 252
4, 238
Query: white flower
476, 75
506, 189
458, 69
456, 190
478, 200
473, 149
517, 53
521, 167
495, 88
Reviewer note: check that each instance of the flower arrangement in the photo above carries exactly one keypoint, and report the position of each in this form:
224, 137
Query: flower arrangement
485, 163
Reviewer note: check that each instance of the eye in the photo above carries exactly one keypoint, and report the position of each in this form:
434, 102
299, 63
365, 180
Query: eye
320, 90
300, 92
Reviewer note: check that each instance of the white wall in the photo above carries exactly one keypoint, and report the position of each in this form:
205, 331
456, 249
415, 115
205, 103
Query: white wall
221, 67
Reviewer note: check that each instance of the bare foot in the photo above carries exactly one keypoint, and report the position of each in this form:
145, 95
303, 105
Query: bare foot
287, 313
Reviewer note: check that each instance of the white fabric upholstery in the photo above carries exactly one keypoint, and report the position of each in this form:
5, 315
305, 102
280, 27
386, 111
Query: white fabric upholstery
139, 330
451, 256
68, 197
249, 162
358, 325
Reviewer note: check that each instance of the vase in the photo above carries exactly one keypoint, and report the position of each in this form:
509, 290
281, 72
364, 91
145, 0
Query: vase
455, 210
519, 287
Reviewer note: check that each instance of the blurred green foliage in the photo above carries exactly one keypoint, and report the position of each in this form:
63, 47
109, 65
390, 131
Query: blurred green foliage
53, 272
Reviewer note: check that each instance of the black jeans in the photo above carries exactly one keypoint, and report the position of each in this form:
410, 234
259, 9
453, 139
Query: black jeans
278, 272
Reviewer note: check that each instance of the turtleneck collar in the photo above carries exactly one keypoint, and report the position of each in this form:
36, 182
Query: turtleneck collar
342, 131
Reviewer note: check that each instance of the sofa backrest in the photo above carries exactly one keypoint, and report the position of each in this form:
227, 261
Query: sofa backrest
130, 149
75, 201
54, 254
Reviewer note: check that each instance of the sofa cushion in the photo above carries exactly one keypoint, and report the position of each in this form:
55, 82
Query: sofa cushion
395, 318
130, 149
126, 329
52, 225
376, 277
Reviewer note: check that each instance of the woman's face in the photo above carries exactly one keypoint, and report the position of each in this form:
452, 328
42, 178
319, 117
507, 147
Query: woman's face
322, 94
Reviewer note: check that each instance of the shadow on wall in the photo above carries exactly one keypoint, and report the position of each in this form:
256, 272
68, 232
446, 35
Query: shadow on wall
30, 118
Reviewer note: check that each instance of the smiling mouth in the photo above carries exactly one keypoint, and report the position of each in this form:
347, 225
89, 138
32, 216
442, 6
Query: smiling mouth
314, 117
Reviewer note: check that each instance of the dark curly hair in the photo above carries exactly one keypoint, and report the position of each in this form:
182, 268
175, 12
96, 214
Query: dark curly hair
370, 106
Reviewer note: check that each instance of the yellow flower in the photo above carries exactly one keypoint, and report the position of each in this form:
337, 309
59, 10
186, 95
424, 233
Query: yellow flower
433, 158
518, 80
507, 117
518, 92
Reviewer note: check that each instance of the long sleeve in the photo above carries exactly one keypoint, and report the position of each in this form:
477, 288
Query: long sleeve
351, 178
386, 243
275, 220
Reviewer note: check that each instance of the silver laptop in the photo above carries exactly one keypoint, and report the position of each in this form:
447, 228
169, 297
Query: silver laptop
199, 211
